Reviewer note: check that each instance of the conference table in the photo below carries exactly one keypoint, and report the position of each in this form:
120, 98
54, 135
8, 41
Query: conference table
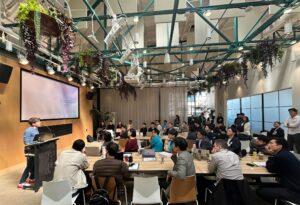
160, 167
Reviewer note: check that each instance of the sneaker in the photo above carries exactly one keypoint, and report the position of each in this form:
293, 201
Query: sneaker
31, 181
20, 186
23, 185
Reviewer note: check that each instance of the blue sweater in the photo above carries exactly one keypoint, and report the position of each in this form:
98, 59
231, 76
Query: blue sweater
156, 143
287, 166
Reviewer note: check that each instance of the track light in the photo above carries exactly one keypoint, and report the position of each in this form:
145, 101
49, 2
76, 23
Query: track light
92, 87
207, 13
22, 59
145, 64
69, 77
167, 58
182, 75
240, 48
135, 19
8, 45
288, 10
288, 28
145, 51
191, 62
82, 82
58, 68
50, 69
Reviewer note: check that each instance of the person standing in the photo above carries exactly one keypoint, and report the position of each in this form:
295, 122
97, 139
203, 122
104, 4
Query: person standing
293, 125
220, 119
177, 121
233, 142
276, 131
28, 138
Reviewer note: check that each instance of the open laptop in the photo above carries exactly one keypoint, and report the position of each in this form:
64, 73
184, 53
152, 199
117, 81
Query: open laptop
92, 151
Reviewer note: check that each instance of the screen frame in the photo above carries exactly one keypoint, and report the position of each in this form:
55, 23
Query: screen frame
45, 76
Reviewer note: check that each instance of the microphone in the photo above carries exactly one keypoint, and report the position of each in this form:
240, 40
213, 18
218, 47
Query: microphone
50, 131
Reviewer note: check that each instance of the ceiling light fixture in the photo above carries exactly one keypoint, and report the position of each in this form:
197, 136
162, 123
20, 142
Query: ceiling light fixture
207, 13
135, 19
240, 48
191, 62
50, 69
69, 77
145, 64
82, 82
58, 68
92, 87
167, 59
22, 59
288, 28
8, 45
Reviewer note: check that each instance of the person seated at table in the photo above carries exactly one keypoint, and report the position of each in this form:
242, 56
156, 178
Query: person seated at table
233, 142
110, 166
202, 141
132, 144
71, 165
184, 127
172, 134
224, 162
197, 126
124, 133
287, 167
158, 126
183, 162
156, 143
102, 126
259, 144
118, 129
165, 125
144, 129
192, 135
130, 125
276, 131
110, 126
152, 126
170, 126
107, 138
209, 132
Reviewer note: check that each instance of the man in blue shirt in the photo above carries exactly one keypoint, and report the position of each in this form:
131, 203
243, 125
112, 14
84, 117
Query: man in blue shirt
28, 137
156, 143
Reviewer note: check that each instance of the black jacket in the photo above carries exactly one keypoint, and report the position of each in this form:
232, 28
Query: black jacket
235, 145
205, 144
276, 133
287, 166
220, 120
144, 130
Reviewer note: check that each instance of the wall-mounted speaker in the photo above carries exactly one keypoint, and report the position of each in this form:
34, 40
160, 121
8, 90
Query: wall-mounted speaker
5, 72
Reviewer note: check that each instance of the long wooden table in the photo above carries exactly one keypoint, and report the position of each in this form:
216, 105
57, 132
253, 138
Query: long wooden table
159, 167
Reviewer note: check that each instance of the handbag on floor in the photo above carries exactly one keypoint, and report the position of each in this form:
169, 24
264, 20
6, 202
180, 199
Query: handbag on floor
99, 197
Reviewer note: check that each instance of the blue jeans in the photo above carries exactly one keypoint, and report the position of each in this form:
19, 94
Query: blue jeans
29, 170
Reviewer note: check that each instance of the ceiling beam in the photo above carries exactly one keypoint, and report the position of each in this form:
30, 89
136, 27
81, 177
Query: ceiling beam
180, 11
94, 6
176, 3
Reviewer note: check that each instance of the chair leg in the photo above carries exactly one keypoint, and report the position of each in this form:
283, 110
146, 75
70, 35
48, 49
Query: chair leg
125, 189
275, 203
83, 195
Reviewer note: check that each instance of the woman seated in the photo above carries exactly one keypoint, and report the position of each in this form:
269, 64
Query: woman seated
132, 144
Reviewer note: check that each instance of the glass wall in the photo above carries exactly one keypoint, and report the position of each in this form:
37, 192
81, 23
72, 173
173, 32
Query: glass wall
262, 109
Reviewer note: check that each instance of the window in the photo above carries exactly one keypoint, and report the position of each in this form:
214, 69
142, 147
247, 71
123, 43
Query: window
262, 109
198, 103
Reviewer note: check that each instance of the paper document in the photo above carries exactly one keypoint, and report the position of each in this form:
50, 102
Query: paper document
134, 167
260, 164
165, 154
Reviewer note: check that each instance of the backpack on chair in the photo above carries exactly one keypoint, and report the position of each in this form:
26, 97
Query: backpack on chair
99, 197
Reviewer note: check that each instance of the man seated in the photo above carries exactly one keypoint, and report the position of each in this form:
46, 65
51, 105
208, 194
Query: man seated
209, 132
132, 144
110, 126
111, 167
71, 165
152, 126
224, 162
144, 129
259, 144
233, 142
124, 133
183, 162
156, 143
192, 135
287, 166
172, 134
202, 141
276, 131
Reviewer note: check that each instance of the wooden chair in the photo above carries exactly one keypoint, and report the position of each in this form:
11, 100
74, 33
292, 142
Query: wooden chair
109, 184
183, 190
122, 144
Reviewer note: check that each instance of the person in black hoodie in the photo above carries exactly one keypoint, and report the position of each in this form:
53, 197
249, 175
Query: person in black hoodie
287, 166
144, 129
276, 131
233, 142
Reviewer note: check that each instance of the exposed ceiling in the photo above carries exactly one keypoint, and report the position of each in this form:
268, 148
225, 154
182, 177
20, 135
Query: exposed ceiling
233, 23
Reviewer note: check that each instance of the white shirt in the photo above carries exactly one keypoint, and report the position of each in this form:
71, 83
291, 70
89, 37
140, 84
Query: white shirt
294, 125
226, 164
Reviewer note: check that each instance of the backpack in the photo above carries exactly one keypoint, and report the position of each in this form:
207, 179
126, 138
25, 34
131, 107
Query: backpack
89, 138
99, 197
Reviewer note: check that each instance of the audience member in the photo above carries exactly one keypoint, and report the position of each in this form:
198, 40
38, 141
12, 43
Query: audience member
107, 139
110, 126
233, 142
224, 162
102, 126
158, 126
276, 131
259, 144
70, 166
152, 127
170, 127
209, 132
184, 127
165, 125
220, 119
293, 125
124, 132
132, 144
144, 129
197, 126
111, 167
177, 121
156, 143
28, 138
130, 125
287, 166
192, 135
246, 126
118, 129
202, 141
172, 134
201, 121
238, 121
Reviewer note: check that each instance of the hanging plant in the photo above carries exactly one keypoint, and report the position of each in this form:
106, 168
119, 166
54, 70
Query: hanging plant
230, 70
126, 89
264, 54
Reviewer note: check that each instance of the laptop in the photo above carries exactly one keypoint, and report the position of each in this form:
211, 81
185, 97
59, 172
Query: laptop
92, 151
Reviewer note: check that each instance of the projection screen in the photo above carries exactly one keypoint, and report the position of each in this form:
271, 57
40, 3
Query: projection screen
47, 98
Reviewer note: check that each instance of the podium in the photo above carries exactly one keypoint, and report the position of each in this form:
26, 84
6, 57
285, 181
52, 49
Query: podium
45, 155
